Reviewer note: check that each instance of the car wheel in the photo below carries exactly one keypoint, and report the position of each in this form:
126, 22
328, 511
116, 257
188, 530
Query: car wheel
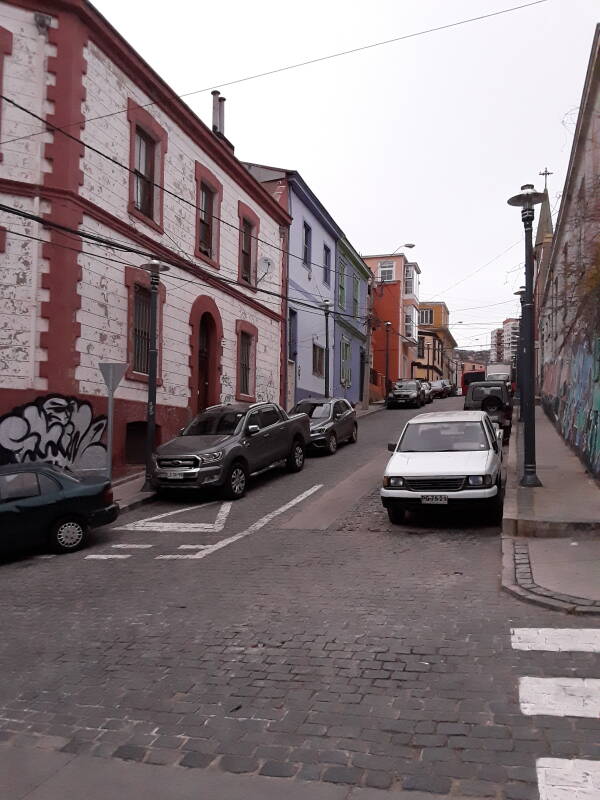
68, 534
295, 460
496, 506
354, 435
236, 482
396, 515
332, 444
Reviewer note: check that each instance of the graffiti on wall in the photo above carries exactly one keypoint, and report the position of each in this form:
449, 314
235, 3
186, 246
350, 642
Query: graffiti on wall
54, 428
571, 396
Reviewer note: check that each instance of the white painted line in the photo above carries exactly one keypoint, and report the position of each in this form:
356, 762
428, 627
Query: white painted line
568, 779
151, 524
106, 556
49, 555
179, 511
256, 526
133, 546
572, 640
192, 546
560, 697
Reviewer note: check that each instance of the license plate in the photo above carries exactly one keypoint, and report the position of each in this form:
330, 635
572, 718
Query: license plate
172, 475
434, 499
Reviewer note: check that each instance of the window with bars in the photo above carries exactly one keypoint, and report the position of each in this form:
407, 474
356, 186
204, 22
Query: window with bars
426, 316
245, 371
206, 226
145, 154
355, 295
306, 245
318, 354
141, 329
246, 251
326, 265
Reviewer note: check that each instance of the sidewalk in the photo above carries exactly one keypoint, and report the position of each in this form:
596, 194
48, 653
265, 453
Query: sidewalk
128, 491
551, 534
37, 774
373, 407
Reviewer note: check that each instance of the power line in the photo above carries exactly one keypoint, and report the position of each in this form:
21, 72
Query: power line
309, 62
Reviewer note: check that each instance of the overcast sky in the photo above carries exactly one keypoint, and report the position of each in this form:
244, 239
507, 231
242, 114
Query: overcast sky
421, 141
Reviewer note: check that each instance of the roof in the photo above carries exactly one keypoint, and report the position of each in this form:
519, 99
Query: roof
448, 416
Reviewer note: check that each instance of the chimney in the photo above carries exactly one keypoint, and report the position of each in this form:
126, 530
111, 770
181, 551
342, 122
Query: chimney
222, 116
215, 117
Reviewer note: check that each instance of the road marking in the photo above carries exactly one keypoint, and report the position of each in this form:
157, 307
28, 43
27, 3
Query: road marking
560, 697
568, 779
192, 546
151, 524
106, 556
256, 526
572, 640
133, 546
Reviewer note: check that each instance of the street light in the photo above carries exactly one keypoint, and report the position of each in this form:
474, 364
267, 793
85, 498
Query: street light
325, 305
154, 267
387, 326
520, 294
527, 199
409, 245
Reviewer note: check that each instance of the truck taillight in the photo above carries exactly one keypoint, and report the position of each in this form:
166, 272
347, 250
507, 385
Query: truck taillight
107, 495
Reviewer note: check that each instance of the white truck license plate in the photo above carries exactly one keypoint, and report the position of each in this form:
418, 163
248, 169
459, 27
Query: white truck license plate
172, 475
434, 499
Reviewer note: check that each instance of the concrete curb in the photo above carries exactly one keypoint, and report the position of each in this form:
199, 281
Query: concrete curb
362, 414
517, 579
137, 500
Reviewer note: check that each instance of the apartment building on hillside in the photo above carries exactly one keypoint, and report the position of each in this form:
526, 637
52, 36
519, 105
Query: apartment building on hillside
435, 349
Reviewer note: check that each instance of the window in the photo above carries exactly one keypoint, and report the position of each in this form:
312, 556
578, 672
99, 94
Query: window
148, 146
246, 361
205, 224
141, 329
318, 355
19, 486
421, 347
410, 322
292, 334
6, 42
408, 279
386, 271
326, 265
345, 361
209, 195
426, 316
342, 288
269, 416
249, 230
306, 245
355, 295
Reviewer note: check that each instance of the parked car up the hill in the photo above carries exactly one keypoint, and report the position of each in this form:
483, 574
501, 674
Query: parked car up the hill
493, 397
331, 421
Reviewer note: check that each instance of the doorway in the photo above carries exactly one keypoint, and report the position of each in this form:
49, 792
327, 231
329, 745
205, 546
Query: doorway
205, 354
206, 340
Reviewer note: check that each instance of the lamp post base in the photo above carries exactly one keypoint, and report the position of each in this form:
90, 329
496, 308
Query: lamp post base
530, 479
147, 487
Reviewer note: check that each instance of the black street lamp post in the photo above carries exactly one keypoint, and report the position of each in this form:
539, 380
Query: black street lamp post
527, 199
326, 308
154, 268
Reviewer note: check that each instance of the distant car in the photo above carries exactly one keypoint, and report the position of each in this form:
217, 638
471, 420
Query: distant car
426, 386
493, 397
444, 459
225, 444
406, 393
331, 421
439, 389
45, 505
450, 387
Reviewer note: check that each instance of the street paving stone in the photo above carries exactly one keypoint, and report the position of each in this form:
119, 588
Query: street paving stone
365, 655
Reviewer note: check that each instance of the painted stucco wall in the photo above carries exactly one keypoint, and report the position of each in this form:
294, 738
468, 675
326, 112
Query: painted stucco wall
347, 325
308, 285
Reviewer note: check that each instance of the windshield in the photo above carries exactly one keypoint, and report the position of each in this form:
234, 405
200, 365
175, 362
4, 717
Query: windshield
313, 410
498, 376
405, 385
443, 437
214, 422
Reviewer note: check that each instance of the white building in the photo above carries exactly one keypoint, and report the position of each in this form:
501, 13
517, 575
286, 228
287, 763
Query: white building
510, 341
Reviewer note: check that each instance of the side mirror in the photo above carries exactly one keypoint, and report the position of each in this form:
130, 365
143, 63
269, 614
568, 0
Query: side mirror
253, 430
392, 447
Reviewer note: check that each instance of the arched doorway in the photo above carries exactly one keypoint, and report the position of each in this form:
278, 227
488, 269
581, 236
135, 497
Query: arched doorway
205, 354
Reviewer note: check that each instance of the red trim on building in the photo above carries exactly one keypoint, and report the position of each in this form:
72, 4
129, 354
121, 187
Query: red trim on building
245, 213
205, 305
6, 42
66, 95
242, 326
141, 277
138, 117
204, 175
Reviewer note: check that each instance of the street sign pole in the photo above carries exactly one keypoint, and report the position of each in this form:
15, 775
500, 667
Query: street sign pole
112, 374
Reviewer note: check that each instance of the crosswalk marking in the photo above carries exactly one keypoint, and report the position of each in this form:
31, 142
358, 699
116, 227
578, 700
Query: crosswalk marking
568, 779
156, 524
108, 556
133, 546
572, 640
560, 697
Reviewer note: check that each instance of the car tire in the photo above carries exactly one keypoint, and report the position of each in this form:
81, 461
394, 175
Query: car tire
236, 481
354, 435
495, 507
332, 444
396, 515
295, 459
68, 534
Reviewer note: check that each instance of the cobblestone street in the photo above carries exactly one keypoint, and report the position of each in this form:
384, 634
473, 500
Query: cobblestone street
364, 654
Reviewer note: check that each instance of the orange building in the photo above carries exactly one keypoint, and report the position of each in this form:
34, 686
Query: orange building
395, 300
435, 351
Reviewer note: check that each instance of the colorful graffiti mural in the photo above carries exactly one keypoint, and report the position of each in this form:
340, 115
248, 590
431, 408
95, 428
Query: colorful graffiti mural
54, 428
571, 397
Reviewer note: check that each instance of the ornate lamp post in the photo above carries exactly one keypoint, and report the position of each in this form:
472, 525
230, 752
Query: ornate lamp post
326, 306
527, 199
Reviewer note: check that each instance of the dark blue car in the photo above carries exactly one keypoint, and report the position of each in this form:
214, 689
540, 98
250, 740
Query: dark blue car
41, 504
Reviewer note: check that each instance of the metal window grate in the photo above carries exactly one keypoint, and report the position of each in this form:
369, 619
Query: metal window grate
141, 329
245, 365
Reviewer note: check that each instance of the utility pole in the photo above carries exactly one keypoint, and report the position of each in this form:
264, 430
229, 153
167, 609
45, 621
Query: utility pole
388, 325
527, 199
154, 268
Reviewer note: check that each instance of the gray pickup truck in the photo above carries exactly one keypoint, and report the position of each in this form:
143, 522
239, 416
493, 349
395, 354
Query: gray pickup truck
225, 444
